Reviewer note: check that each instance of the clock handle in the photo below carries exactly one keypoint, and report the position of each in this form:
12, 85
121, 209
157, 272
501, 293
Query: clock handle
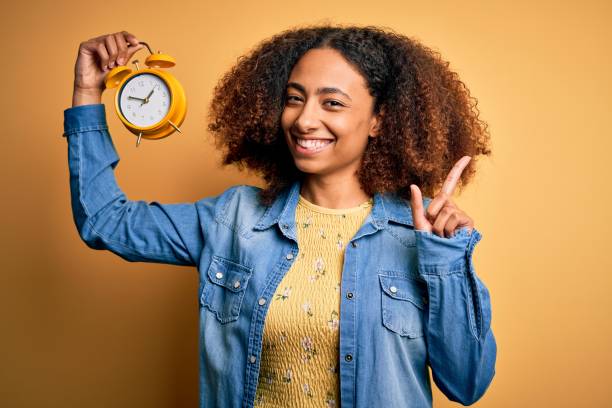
147, 45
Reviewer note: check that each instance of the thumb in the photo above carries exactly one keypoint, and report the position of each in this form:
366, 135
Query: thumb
418, 212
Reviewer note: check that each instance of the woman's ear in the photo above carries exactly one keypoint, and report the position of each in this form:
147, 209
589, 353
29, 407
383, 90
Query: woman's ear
375, 124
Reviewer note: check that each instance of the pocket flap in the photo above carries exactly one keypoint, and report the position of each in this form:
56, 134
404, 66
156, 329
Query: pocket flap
228, 274
399, 287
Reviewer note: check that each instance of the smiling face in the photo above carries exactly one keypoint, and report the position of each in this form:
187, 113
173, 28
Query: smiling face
328, 114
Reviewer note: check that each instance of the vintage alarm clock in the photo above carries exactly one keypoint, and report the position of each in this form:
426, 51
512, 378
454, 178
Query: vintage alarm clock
150, 102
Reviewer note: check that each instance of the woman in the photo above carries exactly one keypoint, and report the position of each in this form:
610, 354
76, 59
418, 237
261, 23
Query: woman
338, 283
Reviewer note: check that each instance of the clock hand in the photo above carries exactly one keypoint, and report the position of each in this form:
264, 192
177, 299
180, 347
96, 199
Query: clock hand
146, 99
133, 97
149, 95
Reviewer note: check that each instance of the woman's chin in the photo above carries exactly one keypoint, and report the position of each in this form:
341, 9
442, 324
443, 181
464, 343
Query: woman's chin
307, 168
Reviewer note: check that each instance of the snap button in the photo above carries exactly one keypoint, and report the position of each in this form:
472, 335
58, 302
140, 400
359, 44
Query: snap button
393, 289
289, 255
237, 284
219, 275
262, 301
349, 295
253, 359
354, 244
348, 357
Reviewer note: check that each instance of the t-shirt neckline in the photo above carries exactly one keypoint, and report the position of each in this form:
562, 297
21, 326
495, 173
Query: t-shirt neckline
327, 210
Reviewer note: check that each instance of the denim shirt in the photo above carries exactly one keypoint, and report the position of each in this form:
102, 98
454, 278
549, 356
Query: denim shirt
409, 299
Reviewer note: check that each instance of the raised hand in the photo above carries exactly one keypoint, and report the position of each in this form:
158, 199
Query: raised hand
443, 216
95, 58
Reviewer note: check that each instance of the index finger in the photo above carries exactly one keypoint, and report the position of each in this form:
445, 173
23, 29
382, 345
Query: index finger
131, 38
453, 176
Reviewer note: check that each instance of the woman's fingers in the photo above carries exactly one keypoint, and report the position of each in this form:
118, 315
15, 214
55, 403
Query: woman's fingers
418, 213
448, 188
111, 48
128, 45
454, 174
435, 205
451, 226
122, 55
100, 54
122, 49
132, 40
449, 220
100, 48
440, 221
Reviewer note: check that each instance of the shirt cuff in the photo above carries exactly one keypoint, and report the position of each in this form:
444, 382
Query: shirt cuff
83, 118
441, 255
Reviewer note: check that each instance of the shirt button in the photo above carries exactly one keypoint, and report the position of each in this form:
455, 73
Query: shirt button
289, 255
354, 244
348, 357
393, 289
285, 226
262, 301
349, 295
219, 275
253, 359
237, 284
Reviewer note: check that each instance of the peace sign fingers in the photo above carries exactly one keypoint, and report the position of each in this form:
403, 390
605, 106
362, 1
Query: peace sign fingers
442, 217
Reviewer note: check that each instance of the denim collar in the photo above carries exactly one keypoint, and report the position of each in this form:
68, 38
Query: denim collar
387, 207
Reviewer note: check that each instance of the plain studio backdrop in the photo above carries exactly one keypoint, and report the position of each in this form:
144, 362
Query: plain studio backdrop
84, 328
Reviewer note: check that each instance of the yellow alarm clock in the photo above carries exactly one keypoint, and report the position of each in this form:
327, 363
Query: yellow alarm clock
150, 102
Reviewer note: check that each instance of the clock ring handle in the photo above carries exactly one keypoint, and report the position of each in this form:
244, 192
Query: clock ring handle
147, 45
158, 60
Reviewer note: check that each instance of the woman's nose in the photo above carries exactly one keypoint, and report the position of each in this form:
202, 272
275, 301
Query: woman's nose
307, 120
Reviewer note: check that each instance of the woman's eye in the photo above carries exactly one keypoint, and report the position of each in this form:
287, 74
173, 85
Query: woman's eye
289, 98
333, 103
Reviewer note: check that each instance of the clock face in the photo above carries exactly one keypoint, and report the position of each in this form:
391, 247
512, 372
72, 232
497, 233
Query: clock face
144, 100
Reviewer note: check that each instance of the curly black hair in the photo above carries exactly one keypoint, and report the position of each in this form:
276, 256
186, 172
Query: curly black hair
429, 120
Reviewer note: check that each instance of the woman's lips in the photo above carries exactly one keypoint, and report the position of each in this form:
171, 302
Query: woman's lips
312, 150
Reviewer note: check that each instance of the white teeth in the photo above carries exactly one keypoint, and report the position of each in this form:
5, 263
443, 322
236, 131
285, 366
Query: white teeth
312, 144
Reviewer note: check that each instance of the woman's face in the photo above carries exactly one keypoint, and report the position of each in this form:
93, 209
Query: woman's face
327, 115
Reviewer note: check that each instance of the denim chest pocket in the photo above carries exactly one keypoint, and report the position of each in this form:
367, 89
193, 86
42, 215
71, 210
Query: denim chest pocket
224, 289
403, 305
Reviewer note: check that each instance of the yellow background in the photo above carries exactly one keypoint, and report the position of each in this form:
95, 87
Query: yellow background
84, 328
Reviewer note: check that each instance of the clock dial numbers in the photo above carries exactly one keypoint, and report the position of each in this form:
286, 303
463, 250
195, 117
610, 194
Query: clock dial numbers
144, 100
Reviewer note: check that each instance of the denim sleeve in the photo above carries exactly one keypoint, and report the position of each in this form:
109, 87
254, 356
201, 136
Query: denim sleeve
461, 346
136, 231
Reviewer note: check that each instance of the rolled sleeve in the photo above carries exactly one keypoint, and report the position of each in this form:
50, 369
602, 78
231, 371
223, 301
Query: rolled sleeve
84, 118
459, 315
440, 255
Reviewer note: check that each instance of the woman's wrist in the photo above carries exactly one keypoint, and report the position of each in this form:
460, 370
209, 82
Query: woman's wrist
86, 96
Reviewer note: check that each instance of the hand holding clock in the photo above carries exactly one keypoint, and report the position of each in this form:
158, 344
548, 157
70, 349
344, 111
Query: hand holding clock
95, 58
443, 216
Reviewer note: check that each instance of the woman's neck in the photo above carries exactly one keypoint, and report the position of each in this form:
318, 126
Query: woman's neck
333, 192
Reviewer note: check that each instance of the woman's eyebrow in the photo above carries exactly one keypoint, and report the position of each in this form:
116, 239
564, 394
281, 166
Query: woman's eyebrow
324, 90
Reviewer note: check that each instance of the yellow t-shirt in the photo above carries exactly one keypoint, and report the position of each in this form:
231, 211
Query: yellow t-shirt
299, 359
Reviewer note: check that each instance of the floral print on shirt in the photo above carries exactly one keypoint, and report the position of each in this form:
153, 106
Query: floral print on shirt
300, 356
